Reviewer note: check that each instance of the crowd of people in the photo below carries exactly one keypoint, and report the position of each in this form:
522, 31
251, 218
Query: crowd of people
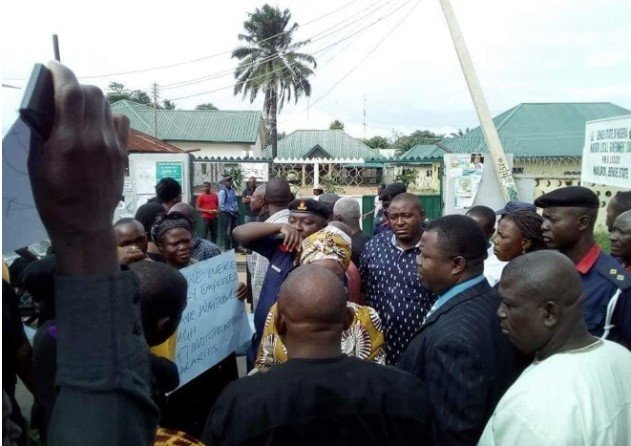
498, 327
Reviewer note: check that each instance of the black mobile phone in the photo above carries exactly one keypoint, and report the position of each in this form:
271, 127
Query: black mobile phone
38, 103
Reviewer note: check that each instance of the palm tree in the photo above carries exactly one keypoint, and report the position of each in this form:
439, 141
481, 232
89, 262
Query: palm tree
269, 63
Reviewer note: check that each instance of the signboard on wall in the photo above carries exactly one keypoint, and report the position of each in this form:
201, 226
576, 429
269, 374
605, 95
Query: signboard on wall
607, 152
169, 169
465, 170
146, 169
469, 181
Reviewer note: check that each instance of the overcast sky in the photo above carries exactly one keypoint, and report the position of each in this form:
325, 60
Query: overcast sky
523, 51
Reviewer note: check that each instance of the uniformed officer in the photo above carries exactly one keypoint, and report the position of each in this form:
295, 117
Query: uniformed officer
569, 216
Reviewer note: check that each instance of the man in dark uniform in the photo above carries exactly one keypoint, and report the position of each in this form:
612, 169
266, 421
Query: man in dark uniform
279, 242
569, 216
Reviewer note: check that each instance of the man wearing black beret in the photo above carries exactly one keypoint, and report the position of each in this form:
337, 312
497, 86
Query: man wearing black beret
279, 242
569, 217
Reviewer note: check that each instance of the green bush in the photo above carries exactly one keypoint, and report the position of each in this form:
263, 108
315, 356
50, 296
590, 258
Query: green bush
602, 238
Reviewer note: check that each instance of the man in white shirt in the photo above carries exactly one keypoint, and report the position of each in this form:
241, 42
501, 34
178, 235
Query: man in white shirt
578, 389
484, 216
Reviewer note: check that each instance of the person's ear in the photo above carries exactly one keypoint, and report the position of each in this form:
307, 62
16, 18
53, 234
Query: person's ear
458, 265
165, 327
525, 245
584, 222
349, 318
281, 325
551, 314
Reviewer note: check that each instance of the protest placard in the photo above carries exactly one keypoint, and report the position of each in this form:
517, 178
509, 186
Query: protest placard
214, 323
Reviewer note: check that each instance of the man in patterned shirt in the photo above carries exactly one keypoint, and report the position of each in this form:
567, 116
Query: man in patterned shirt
389, 277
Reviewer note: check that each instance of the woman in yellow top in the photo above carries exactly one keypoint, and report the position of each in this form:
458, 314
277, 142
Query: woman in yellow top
331, 248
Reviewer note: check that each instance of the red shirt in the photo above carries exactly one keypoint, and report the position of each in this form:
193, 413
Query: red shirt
208, 202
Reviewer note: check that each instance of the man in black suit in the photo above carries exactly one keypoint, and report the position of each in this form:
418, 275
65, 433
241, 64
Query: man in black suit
459, 352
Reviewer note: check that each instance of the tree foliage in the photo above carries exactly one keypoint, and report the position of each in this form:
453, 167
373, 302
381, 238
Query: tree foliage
336, 125
270, 63
206, 106
459, 133
403, 143
377, 142
167, 104
118, 92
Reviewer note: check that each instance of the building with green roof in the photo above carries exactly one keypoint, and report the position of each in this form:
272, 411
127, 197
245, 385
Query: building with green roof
546, 139
317, 158
423, 153
208, 133
303, 145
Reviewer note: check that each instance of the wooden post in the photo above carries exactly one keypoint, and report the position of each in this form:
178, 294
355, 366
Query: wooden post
503, 171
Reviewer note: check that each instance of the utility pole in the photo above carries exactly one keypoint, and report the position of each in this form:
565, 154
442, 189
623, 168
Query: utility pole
155, 110
56, 47
364, 117
503, 171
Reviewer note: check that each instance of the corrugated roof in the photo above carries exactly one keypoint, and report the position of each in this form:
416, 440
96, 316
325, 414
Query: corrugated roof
193, 125
423, 152
142, 143
304, 144
539, 129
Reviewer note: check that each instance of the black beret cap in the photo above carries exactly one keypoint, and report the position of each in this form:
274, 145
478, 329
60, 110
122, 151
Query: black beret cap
569, 197
309, 206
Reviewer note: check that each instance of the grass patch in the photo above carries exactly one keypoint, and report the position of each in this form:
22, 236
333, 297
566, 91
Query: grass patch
602, 238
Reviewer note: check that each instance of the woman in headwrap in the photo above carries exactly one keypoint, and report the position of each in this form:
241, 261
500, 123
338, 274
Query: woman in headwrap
517, 234
174, 236
330, 248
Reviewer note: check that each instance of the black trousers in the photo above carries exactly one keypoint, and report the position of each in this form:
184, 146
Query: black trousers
209, 226
227, 222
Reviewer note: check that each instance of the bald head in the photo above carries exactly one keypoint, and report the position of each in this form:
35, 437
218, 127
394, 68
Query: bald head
544, 276
185, 209
278, 192
412, 199
311, 323
542, 297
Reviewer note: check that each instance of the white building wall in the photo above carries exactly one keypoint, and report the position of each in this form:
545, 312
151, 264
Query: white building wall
211, 149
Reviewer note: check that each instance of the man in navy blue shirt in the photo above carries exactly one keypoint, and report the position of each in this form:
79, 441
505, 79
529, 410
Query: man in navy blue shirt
569, 216
279, 242
389, 279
